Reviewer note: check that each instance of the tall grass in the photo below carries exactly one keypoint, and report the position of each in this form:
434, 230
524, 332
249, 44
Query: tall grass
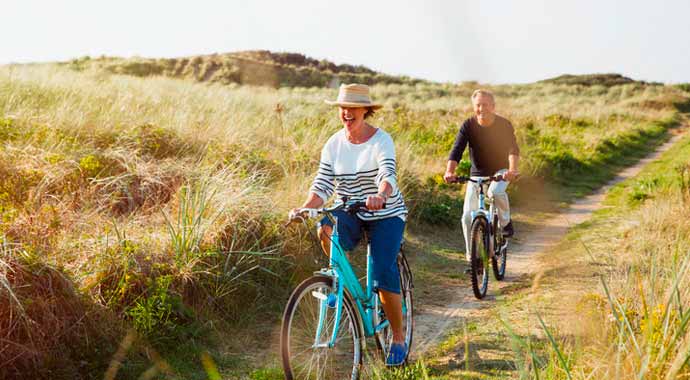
637, 324
161, 200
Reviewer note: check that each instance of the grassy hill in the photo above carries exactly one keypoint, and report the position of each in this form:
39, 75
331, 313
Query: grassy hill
259, 67
154, 206
606, 80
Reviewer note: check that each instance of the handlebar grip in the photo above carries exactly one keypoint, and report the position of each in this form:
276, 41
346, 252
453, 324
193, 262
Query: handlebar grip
360, 206
460, 179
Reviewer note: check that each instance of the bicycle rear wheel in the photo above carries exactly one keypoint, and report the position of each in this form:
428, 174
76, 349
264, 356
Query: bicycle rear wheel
384, 337
479, 254
306, 355
500, 258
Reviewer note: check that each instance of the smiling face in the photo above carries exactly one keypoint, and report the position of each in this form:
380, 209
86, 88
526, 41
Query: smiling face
484, 108
352, 117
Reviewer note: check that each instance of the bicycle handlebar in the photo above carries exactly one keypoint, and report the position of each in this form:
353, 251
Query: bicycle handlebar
462, 179
347, 206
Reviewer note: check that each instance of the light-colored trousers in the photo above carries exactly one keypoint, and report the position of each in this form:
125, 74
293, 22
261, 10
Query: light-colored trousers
497, 190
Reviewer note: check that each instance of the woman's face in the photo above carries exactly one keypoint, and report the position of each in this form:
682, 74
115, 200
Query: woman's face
352, 117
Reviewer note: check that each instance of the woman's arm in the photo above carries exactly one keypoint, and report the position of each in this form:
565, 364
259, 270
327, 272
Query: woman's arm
323, 185
313, 201
386, 178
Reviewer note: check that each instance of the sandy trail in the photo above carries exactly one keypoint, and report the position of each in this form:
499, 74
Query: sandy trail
433, 323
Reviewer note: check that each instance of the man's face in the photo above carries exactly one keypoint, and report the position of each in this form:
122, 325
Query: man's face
484, 109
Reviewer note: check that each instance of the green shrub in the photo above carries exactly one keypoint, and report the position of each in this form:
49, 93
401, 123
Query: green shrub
643, 190
90, 166
8, 129
433, 202
155, 313
267, 374
157, 142
684, 86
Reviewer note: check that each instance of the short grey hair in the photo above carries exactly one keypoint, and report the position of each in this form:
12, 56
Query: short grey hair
480, 91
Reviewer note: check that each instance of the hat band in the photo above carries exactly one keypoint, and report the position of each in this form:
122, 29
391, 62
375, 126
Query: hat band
354, 98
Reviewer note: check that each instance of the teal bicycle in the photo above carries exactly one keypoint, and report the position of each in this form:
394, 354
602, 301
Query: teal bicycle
329, 315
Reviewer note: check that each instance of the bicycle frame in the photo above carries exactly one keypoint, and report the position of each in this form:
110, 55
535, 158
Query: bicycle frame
344, 278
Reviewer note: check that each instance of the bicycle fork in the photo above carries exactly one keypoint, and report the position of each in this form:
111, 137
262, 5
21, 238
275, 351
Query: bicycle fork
323, 312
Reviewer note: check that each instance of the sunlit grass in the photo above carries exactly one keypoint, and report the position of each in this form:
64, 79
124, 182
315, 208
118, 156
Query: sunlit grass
155, 195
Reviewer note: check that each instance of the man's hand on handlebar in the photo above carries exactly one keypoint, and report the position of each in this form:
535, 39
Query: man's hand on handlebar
511, 175
450, 177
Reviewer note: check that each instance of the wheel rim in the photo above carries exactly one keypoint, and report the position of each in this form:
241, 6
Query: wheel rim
309, 362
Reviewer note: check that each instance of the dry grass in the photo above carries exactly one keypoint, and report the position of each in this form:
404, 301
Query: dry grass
618, 306
160, 200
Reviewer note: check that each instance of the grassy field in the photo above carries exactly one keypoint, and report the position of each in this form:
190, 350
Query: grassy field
610, 301
154, 206
637, 317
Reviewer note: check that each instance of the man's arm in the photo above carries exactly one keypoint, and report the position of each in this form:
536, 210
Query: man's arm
513, 161
513, 156
450, 170
455, 155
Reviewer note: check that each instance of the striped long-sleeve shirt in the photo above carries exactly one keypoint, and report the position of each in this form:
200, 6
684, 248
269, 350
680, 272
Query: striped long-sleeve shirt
355, 171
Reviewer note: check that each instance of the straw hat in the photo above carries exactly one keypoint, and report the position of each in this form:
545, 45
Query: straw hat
354, 95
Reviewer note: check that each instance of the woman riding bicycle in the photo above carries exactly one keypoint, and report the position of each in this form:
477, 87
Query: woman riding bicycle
358, 162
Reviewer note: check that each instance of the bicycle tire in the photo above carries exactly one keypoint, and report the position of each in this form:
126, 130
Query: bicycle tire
500, 257
384, 337
301, 360
478, 254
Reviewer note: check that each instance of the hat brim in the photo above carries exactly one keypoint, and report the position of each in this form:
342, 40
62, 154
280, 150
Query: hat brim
354, 105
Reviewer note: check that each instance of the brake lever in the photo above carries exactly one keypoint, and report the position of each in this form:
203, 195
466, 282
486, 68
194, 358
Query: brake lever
311, 213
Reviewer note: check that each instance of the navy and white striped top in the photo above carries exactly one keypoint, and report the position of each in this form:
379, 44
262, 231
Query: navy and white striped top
357, 170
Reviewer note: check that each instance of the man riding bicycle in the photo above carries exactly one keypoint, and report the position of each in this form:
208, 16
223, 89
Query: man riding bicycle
493, 150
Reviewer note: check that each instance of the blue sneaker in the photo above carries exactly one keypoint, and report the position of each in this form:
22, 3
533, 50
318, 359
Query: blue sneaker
397, 354
332, 300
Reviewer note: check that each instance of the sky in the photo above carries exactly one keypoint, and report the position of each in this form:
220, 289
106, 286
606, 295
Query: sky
489, 41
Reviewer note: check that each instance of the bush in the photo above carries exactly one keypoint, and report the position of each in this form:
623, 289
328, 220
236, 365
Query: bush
432, 202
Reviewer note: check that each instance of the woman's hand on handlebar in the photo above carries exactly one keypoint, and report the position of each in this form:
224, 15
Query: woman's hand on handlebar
300, 214
375, 202
296, 215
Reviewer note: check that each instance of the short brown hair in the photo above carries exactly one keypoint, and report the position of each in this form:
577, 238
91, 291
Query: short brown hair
370, 112
480, 91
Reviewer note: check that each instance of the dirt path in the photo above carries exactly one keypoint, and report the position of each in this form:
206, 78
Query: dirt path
433, 323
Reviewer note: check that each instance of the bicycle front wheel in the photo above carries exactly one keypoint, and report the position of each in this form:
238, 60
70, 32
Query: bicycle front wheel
479, 254
308, 324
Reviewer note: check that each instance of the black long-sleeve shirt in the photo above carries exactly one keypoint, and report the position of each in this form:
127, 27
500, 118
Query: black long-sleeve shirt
489, 146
